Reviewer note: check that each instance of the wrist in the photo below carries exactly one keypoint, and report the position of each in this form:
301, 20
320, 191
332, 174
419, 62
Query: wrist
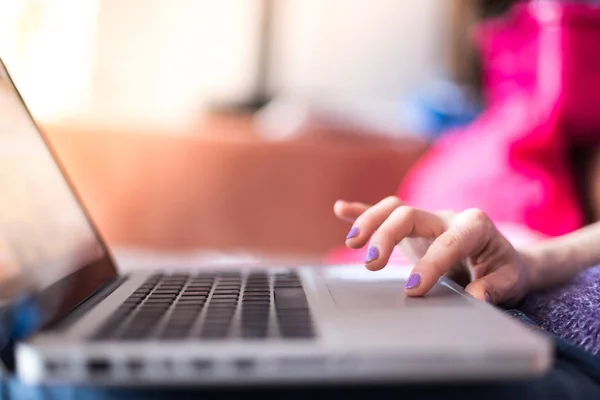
548, 264
533, 267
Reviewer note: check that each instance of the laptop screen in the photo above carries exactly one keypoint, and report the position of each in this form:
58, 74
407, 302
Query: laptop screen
49, 250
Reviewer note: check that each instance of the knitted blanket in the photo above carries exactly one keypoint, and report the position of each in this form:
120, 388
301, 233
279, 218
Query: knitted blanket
571, 312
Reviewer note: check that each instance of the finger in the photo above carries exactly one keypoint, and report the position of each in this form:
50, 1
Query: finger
347, 211
495, 288
467, 235
403, 222
370, 220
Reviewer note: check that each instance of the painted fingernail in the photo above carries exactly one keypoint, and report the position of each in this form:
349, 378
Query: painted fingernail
372, 254
488, 298
413, 281
353, 233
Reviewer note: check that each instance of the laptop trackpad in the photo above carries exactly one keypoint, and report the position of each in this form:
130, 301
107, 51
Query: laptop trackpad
381, 295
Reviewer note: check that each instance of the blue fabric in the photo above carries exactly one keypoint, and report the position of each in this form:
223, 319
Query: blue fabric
575, 376
438, 107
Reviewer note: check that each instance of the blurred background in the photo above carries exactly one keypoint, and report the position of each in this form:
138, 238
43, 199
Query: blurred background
169, 62
229, 128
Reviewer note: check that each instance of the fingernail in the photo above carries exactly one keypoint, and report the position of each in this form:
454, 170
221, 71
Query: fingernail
353, 233
372, 254
488, 298
413, 281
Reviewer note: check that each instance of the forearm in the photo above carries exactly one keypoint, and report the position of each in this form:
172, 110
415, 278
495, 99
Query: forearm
555, 261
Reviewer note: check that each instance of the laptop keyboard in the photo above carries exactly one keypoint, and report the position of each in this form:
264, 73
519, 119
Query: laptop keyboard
256, 305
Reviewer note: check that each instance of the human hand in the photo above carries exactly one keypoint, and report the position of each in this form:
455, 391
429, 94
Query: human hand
440, 244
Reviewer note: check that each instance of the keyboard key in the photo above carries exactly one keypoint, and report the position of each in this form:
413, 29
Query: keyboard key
218, 310
256, 303
133, 301
257, 282
252, 316
179, 325
194, 291
223, 307
195, 309
290, 299
254, 332
226, 288
161, 295
282, 285
255, 324
153, 308
227, 291
258, 291
222, 296
190, 303
203, 285
192, 299
225, 299
217, 318
257, 296
165, 291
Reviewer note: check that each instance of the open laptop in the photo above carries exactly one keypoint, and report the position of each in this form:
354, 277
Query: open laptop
73, 318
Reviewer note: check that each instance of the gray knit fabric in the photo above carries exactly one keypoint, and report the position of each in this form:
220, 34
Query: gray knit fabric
571, 312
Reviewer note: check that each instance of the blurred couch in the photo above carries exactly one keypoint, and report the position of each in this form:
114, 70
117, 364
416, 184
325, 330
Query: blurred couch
218, 186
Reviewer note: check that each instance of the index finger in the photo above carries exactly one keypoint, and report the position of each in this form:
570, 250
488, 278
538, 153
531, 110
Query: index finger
467, 236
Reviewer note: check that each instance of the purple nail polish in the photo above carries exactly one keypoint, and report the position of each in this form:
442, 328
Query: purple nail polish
372, 254
353, 233
488, 298
413, 281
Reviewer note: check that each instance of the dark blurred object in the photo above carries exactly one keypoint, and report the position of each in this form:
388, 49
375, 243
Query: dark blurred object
494, 8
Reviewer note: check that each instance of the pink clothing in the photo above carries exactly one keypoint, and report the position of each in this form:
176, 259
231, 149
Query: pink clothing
550, 50
512, 163
542, 78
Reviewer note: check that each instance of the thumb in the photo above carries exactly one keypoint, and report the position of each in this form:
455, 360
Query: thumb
494, 288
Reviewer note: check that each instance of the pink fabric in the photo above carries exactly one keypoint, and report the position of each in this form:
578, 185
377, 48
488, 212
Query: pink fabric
549, 49
508, 47
512, 163
580, 89
542, 74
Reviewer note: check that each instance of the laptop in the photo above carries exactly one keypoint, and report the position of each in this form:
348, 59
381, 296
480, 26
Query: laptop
69, 316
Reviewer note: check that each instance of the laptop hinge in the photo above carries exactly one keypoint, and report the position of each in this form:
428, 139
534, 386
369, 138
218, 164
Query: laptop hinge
86, 305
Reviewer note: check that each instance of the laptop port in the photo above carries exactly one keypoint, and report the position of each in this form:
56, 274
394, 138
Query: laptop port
243, 364
54, 366
202, 365
98, 366
135, 365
